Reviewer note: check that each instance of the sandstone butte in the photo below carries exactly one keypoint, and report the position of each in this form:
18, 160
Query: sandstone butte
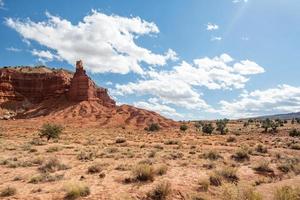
59, 95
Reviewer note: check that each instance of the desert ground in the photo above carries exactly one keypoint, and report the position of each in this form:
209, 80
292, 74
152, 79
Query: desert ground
121, 163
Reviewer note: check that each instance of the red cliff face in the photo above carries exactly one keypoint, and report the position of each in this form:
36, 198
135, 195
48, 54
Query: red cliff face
35, 85
32, 84
84, 89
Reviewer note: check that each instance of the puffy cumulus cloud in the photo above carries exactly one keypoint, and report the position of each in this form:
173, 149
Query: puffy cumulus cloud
106, 43
246, 67
211, 27
283, 98
180, 86
154, 105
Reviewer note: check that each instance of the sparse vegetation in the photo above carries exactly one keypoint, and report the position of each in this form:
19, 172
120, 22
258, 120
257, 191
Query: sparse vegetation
183, 127
208, 128
241, 192
263, 167
153, 127
212, 155
50, 131
242, 154
52, 165
287, 193
76, 190
160, 192
261, 149
221, 126
8, 191
294, 133
120, 140
143, 172
94, 168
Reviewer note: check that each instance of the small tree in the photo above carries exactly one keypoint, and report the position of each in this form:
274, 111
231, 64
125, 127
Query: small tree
153, 127
274, 126
50, 131
266, 124
208, 128
221, 126
183, 127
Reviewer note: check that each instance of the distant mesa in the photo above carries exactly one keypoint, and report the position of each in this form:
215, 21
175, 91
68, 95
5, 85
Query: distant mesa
57, 94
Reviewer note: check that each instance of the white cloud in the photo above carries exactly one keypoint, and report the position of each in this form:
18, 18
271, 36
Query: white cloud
215, 38
44, 55
179, 86
105, 43
13, 49
154, 105
282, 99
239, 1
211, 27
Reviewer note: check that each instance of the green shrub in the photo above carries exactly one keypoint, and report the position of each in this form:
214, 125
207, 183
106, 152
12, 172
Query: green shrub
208, 128
221, 126
50, 131
76, 190
183, 127
153, 127
8, 191
160, 192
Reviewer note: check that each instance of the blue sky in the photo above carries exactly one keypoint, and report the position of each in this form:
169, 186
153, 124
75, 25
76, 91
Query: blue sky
185, 59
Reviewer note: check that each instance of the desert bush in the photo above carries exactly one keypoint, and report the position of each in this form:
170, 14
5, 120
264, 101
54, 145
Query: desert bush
183, 127
161, 170
76, 190
295, 146
172, 142
221, 126
261, 149
203, 185
242, 154
212, 155
229, 174
263, 167
94, 168
160, 192
153, 127
8, 191
45, 177
53, 149
52, 165
233, 192
287, 193
50, 131
207, 128
89, 155
215, 179
231, 139
120, 140
294, 133
143, 172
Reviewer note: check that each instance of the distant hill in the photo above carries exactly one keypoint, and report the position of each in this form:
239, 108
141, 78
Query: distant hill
281, 116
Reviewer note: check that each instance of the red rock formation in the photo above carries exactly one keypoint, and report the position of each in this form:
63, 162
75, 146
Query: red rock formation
32, 84
84, 89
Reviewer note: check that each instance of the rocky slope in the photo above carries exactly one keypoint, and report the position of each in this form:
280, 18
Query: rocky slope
57, 94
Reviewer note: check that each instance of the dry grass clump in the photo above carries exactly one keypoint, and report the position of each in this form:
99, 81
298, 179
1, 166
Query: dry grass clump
295, 146
75, 190
94, 168
120, 140
242, 154
231, 139
143, 172
287, 193
242, 192
261, 149
160, 192
45, 177
263, 167
228, 174
86, 155
203, 185
52, 165
53, 149
161, 170
172, 142
212, 155
8, 191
